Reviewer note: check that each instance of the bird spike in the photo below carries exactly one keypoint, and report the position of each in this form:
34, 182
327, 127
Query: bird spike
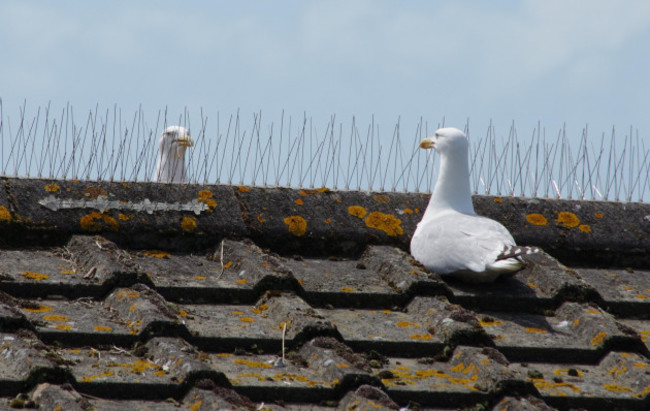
257, 150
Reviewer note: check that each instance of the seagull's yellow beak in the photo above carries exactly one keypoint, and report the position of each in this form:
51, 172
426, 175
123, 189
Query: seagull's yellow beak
427, 143
185, 141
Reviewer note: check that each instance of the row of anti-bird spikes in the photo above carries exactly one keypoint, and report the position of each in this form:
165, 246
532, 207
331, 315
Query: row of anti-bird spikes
107, 146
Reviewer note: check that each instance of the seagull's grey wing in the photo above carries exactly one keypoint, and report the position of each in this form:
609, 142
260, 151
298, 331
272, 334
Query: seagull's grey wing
459, 242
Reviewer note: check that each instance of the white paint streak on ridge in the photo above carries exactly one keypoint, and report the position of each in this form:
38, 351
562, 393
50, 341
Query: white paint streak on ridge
102, 203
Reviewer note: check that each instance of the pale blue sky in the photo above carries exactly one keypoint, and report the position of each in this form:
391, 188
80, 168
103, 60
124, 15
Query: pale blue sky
554, 61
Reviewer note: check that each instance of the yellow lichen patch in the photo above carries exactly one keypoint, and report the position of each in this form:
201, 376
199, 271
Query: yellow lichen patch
39, 309
342, 365
299, 201
535, 330
489, 323
238, 312
246, 319
385, 222
205, 197
133, 308
160, 373
195, 406
382, 198
643, 393
407, 211
554, 387
157, 254
536, 219
599, 338
5, 215
560, 372
93, 222
136, 367
357, 211
328, 221
617, 388
123, 293
243, 189
35, 276
347, 289
242, 281
584, 228
64, 271
227, 265
63, 327
52, 188
641, 296
91, 378
261, 308
224, 354
498, 200
55, 317
421, 337
200, 277
188, 224
124, 217
252, 364
103, 328
407, 324
260, 218
296, 224
598, 215
567, 219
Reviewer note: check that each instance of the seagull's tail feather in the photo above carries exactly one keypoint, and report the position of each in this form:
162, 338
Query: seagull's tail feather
516, 251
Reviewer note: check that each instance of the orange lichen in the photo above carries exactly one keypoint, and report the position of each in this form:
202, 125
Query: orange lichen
252, 364
599, 338
299, 201
133, 308
242, 281
246, 319
347, 289
157, 254
617, 388
584, 228
52, 188
565, 372
136, 367
227, 265
124, 217
407, 211
567, 219
93, 222
536, 219
188, 224
598, 215
407, 324
70, 271
63, 327
296, 224
195, 406
5, 215
421, 336
35, 276
205, 197
38, 309
535, 330
123, 293
385, 222
498, 200
243, 189
357, 211
103, 328
328, 221
55, 317
489, 323
381, 198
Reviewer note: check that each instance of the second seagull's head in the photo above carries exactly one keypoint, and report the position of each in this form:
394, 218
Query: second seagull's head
447, 141
174, 141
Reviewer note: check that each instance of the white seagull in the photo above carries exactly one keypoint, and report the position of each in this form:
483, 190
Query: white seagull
171, 155
451, 238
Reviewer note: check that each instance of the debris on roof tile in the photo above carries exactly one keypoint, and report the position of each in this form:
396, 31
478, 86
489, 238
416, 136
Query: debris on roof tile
119, 296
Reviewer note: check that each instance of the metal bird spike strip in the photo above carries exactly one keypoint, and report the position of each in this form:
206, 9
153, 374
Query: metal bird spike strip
341, 155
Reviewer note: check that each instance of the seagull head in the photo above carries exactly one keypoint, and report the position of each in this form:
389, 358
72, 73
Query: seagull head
446, 140
175, 140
